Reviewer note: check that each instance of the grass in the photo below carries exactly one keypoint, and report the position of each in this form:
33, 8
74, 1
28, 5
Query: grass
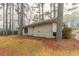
32, 46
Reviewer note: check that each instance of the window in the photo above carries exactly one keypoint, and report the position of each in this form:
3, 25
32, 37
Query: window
54, 34
25, 30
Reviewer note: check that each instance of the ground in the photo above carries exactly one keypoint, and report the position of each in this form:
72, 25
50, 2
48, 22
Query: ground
34, 46
75, 31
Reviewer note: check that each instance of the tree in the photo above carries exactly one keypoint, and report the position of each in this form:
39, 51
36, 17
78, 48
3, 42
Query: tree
50, 10
42, 6
6, 18
21, 20
12, 18
41, 11
36, 16
18, 13
26, 10
59, 21
48, 13
54, 10
3, 5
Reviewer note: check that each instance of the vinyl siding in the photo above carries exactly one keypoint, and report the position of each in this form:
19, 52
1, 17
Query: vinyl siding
43, 30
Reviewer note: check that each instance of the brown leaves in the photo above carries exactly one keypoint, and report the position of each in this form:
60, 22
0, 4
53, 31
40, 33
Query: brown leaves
28, 45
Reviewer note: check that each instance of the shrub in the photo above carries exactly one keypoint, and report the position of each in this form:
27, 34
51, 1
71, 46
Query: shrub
15, 32
1, 32
9, 32
66, 32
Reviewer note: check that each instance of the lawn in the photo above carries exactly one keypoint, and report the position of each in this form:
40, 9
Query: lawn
34, 46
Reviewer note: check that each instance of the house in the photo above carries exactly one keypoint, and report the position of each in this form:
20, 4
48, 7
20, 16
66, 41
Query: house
41, 29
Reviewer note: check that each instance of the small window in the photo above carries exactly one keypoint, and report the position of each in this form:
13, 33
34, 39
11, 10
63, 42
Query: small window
25, 30
54, 34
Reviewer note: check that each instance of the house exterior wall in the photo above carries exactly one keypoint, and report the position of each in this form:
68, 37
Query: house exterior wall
30, 30
54, 27
24, 33
36, 31
43, 30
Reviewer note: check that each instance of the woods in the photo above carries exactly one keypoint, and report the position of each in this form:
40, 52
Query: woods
24, 14
39, 29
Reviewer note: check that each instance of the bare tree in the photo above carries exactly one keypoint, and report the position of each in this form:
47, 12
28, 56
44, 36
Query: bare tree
50, 10
3, 5
10, 18
59, 21
42, 6
6, 18
35, 16
12, 26
25, 11
21, 20
18, 12
54, 10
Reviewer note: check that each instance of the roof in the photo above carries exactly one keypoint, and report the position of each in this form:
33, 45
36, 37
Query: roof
41, 23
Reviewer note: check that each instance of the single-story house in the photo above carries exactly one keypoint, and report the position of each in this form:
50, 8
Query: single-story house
45, 28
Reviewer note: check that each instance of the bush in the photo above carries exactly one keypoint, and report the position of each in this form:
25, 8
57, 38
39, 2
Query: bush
66, 32
9, 32
1, 32
15, 32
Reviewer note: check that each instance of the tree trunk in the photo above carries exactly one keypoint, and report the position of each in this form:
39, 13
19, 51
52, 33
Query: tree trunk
54, 10
21, 20
18, 17
59, 21
18, 12
12, 18
39, 11
6, 18
42, 6
50, 10
3, 19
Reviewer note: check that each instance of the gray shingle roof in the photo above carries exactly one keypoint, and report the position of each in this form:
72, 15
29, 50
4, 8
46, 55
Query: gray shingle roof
42, 23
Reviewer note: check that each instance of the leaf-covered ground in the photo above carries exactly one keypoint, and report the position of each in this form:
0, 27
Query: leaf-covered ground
34, 46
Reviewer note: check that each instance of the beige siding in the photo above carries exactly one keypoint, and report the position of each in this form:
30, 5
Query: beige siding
24, 33
30, 30
54, 27
43, 30
35, 31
